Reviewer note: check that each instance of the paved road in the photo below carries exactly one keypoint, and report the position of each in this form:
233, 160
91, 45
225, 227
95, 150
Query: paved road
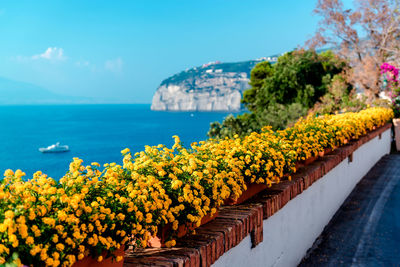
366, 229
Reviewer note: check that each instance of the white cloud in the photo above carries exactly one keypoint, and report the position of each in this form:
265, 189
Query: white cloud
83, 63
51, 53
114, 65
86, 65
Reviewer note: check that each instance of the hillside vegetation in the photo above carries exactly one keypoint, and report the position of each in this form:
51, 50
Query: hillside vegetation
283, 92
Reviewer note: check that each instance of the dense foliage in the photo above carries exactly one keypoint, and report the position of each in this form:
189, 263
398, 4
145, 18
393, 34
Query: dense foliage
392, 85
91, 211
339, 97
283, 92
297, 77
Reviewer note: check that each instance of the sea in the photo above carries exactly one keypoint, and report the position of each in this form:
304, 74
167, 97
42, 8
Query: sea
94, 133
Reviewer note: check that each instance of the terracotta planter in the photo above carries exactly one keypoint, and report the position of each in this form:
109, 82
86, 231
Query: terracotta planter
328, 150
298, 165
252, 189
164, 232
396, 123
325, 152
310, 160
106, 262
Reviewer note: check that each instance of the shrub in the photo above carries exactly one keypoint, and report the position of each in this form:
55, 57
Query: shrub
282, 93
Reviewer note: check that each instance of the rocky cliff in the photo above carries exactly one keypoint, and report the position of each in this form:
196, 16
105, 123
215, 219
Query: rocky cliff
214, 86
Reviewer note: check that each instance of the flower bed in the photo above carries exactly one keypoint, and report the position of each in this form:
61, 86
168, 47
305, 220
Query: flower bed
93, 211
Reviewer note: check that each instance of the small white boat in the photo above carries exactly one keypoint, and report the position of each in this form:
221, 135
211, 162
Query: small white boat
54, 148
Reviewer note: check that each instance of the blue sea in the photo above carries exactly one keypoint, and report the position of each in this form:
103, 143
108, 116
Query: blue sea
93, 133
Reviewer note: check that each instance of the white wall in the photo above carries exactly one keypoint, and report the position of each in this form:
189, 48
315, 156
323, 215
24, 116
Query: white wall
290, 232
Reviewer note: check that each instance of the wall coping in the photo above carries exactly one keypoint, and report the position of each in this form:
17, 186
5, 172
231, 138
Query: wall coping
234, 223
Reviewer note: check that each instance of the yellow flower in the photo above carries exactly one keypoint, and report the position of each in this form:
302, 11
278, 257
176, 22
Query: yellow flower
9, 214
56, 255
125, 151
60, 247
19, 173
175, 225
94, 204
32, 215
49, 262
55, 239
29, 240
49, 221
35, 250
121, 216
171, 243
8, 173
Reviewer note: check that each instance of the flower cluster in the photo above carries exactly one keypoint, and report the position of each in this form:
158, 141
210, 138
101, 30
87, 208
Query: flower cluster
87, 212
312, 135
96, 211
391, 81
391, 70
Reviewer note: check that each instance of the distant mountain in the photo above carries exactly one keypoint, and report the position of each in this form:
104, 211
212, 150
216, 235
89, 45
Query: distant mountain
214, 86
14, 92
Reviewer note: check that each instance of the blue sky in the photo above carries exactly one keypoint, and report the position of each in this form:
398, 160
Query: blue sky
122, 50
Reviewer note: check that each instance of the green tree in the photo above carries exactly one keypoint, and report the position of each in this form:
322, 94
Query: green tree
283, 92
258, 77
298, 77
242, 125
